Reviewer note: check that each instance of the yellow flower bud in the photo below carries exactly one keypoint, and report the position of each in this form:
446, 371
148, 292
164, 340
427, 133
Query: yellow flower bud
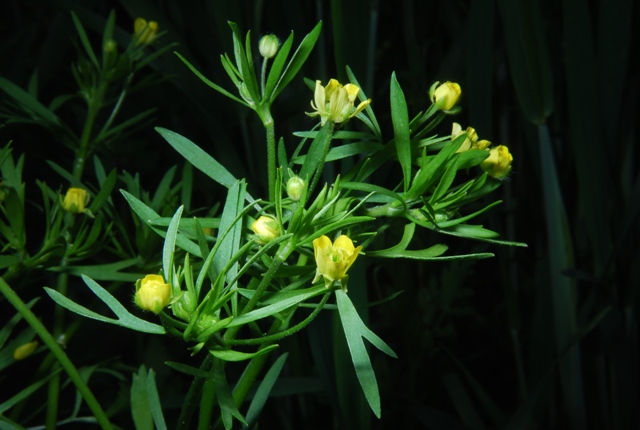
295, 188
336, 102
471, 139
75, 200
144, 32
334, 259
266, 229
446, 95
268, 46
498, 164
25, 350
482, 144
152, 293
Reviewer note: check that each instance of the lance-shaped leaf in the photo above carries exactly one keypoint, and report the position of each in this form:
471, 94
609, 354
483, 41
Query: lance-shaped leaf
400, 119
125, 319
355, 330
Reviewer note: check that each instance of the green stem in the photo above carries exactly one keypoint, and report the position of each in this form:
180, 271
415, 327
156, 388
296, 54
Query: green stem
263, 75
206, 404
271, 155
288, 332
83, 151
191, 401
64, 361
325, 151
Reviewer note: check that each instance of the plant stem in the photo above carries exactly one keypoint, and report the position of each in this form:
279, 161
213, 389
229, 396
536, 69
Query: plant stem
271, 154
64, 361
83, 151
191, 401
325, 151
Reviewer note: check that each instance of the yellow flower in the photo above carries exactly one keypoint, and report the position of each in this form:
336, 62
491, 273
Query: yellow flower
335, 102
333, 260
266, 229
498, 164
75, 200
25, 350
446, 95
152, 293
144, 32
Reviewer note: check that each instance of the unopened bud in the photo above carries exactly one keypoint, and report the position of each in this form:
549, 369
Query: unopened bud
268, 46
295, 188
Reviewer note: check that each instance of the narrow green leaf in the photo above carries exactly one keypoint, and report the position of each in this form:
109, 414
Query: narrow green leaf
211, 84
277, 66
148, 216
125, 319
224, 396
106, 186
373, 123
430, 172
298, 59
85, 40
26, 392
446, 180
170, 245
107, 34
140, 407
28, 101
314, 155
345, 151
163, 189
352, 324
230, 355
400, 250
8, 327
264, 389
371, 188
278, 306
154, 401
401, 132
104, 272
200, 159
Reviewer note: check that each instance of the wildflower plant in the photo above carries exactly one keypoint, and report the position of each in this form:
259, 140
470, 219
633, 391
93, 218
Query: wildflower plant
273, 263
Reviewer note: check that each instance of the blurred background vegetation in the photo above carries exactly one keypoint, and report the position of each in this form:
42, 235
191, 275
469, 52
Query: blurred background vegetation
544, 337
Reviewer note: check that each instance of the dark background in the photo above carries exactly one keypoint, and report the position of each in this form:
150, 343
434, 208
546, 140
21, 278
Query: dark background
539, 337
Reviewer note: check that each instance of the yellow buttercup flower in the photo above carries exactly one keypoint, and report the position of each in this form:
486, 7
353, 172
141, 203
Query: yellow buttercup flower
334, 260
335, 102
446, 95
75, 200
266, 229
498, 164
25, 350
152, 293
143, 31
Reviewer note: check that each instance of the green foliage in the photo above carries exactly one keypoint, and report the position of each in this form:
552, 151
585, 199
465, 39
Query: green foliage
538, 337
